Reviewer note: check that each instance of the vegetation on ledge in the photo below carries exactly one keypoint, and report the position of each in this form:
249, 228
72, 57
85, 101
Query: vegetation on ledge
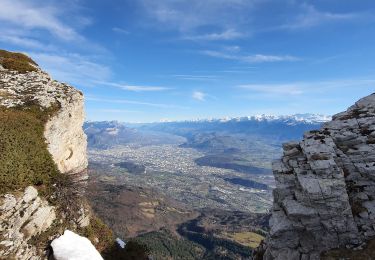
24, 158
16, 61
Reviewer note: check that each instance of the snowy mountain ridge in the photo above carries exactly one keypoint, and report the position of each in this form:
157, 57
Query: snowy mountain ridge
307, 118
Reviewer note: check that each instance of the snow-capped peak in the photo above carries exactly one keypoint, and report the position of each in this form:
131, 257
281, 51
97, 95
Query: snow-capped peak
306, 118
296, 118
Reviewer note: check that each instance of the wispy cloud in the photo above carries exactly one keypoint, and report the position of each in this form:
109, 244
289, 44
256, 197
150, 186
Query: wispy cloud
222, 20
24, 41
120, 30
196, 77
198, 95
229, 34
120, 111
133, 102
143, 88
26, 14
224, 17
72, 67
256, 58
36, 25
135, 88
307, 88
309, 16
287, 89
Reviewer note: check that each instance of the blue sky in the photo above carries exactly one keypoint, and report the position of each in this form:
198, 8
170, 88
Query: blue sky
148, 60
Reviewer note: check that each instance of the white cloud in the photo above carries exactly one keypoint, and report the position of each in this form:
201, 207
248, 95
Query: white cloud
308, 88
229, 34
24, 42
256, 58
233, 48
200, 96
224, 17
143, 88
135, 88
30, 15
268, 58
195, 77
120, 30
288, 89
211, 20
116, 111
309, 16
190, 14
133, 102
72, 67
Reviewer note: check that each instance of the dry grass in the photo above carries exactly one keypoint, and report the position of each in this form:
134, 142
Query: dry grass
249, 239
17, 61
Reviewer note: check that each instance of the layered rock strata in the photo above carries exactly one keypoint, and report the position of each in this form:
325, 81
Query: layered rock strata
325, 188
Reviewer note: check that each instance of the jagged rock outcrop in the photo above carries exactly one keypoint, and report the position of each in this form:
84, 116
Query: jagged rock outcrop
23, 216
64, 134
325, 188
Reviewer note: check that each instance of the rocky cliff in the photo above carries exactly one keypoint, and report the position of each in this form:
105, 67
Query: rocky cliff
325, 188
42, 151
63, 131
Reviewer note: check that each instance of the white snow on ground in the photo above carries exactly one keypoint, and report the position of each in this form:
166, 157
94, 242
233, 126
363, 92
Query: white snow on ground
120, 242
71, 246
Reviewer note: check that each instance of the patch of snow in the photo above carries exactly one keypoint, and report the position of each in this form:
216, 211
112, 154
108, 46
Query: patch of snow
120, 242
112, 131
71, 246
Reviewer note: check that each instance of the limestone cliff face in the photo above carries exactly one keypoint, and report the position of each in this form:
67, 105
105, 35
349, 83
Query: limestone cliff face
63, 132
24, 214
325, 188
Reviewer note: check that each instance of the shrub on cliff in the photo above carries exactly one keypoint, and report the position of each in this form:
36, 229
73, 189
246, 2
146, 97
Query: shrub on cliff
16, 61
24, 158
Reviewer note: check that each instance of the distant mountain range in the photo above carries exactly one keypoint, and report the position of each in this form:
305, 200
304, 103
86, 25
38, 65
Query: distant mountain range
106, 134
244, 144
276, 128
300, 118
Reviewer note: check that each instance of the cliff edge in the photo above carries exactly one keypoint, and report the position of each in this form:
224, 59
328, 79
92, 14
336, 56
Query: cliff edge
42, 160
325, 188
63, 131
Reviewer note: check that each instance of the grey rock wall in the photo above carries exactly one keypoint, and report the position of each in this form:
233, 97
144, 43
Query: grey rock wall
325, 188
23, 216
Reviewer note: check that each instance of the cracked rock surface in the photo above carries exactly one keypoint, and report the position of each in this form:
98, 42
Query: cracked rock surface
325, 188
23, 216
